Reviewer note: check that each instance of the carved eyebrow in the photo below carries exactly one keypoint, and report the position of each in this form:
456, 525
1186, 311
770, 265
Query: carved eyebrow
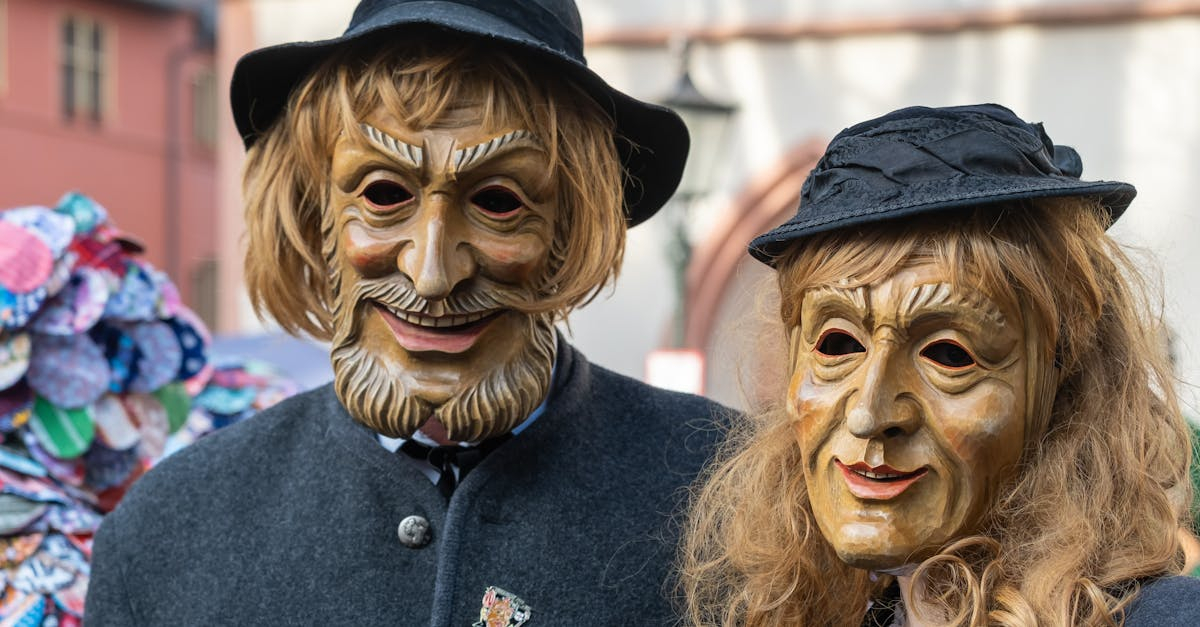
471, 156
941, 295
855, 296
407, 153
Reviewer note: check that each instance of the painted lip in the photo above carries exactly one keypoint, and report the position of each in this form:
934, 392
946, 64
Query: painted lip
877, 483
419, 333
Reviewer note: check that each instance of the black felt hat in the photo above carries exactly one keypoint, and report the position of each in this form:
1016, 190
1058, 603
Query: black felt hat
919, 160
655, 141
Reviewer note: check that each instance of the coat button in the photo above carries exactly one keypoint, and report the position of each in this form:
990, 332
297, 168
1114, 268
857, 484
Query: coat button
414, 532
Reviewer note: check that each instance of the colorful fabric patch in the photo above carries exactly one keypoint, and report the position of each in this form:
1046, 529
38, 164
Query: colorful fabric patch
55, 229
17, 513
121, 352
114, 428
99, 255
15, 350
193, 345
152, 422
74, 518
85, 212
25, 260
17, 462
61, 274
43, 574
77, 308
107, 468
70, 600
64, 433
129, 244
17, 549
177, 402
16, 310
220, 400
69, 371
159, 355
16, 403
68, 471
135, 297
502, 609
169, 301
22, 609
32, 488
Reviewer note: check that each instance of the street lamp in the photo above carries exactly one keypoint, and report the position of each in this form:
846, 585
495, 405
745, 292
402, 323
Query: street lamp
707, 121
679, 367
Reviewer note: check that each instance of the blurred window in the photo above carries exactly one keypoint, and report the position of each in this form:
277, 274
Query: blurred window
204, 108
84, 68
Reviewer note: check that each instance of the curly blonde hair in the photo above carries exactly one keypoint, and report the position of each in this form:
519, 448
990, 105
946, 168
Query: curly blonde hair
1100, 491
417, 79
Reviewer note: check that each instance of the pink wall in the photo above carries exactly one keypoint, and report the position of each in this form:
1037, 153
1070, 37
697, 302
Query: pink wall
122, 162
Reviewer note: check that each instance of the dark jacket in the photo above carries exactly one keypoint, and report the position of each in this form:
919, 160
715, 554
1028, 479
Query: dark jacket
291, 518
1166, 602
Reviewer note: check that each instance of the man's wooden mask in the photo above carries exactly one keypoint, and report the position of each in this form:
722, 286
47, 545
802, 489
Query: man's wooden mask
437, 237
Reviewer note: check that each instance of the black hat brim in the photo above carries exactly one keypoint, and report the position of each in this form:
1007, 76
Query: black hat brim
652, 141
1113, 195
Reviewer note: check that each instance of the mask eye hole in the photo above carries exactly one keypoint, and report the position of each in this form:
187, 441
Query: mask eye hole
384, 196
949, 355
835, 343
497, 201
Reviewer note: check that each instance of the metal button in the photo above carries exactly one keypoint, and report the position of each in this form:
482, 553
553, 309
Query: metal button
414, 532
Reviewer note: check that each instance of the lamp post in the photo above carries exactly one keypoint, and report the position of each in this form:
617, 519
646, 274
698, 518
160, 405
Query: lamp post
707, 121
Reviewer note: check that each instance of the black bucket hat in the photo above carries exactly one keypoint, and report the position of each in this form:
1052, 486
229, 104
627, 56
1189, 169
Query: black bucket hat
655, 140
919, 160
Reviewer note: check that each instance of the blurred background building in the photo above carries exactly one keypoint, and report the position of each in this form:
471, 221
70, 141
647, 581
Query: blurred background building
1117, 79
118, 99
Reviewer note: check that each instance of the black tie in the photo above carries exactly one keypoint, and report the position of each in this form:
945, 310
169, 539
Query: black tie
446, 457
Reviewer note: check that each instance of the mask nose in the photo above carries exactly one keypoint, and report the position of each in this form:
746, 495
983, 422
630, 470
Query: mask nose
438, 258
881, 408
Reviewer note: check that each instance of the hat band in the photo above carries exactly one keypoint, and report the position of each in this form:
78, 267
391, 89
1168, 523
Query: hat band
530, 17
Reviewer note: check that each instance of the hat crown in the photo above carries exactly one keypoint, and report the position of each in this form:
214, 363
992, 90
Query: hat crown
555, 24
919, 160
917, 145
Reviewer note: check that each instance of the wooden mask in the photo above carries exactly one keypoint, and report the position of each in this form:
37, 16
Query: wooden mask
437, 237
911, 401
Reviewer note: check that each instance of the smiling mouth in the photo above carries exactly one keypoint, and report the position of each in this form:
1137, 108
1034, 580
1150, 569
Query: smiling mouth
452, 324
419, 333
877, 483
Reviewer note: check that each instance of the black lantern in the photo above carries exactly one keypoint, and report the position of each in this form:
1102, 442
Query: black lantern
707, 121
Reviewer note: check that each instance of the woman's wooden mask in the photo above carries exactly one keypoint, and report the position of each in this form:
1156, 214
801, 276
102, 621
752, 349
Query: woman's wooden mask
911, 399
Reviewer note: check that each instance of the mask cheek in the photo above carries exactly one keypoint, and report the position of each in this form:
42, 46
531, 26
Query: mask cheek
369, 252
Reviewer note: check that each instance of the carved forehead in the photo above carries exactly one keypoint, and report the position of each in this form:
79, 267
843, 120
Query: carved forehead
461, 158
902, 297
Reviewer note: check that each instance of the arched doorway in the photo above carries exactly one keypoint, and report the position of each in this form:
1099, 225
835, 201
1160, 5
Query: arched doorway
731, 298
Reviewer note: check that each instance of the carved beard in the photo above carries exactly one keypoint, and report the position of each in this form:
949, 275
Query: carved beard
372, 389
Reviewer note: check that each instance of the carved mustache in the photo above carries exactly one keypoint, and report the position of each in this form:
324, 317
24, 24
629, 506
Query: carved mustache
478, 296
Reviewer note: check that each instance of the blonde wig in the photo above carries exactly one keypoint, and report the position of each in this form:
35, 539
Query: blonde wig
1099, 494
287, 178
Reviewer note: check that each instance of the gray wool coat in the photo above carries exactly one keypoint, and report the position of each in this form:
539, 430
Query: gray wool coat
291, 518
